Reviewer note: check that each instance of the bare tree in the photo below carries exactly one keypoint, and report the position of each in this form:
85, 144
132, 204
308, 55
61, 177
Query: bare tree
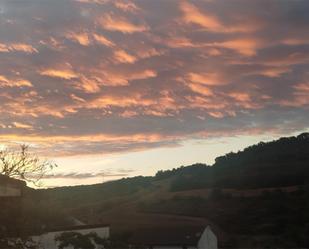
23, 165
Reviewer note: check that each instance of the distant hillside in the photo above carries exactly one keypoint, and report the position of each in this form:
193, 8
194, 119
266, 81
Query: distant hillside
279, 163
258, 196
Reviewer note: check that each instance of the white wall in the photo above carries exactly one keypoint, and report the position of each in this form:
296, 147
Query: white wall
47, 240
208, 240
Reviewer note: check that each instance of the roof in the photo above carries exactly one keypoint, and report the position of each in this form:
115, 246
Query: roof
74, 228
6, 180
172, 236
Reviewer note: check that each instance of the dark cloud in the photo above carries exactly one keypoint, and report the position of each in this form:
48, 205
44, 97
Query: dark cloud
103, 76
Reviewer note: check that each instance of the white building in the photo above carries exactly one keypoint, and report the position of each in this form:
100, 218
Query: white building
50, 239
175, 238
208, 240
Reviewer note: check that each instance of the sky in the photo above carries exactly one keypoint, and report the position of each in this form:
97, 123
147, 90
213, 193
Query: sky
116, 88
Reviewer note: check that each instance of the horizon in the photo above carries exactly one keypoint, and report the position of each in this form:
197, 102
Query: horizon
112, 173
111, 88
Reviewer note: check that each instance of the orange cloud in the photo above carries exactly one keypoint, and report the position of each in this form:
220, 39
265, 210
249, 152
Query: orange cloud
138, 137
242, 97
81, 38
103, 40
23, 48
4, 48
194, 16
22, 125
63, 74
275, 72
181, 42
120, 24
210, 79
129, 114
216, 114
20, 47
105, 77
89, 85
5, 82
244, 100
295, 41
243, 46
201, 89
300, 96
126, 6
78, 99
148, 53
93, 1
21, 108
123, 57
143, 75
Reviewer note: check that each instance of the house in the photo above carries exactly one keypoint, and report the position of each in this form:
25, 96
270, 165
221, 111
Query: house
10, 187
76, 234
11, 191
195, 237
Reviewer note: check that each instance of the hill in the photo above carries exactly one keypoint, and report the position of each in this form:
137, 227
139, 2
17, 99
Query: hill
255, 197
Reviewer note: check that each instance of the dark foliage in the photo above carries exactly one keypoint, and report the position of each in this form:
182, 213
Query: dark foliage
281, 216
284, 162
274, 218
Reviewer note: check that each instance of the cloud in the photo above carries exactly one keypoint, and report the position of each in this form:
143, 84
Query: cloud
127, 6
123, 57
81, 38
193, 15
88, 85
4, 48
63, 74
5, 82
103, 40
200, 89
81, 176
243, 46
101, 76
206, 78
22, 126
300, 96
17, 47
120, 24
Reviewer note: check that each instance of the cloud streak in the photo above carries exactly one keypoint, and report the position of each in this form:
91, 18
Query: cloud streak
82, 176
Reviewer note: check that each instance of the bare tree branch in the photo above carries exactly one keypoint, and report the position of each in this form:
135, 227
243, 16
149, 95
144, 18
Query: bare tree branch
24, 165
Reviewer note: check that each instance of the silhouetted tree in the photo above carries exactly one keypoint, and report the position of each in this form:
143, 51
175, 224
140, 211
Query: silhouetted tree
23, 165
